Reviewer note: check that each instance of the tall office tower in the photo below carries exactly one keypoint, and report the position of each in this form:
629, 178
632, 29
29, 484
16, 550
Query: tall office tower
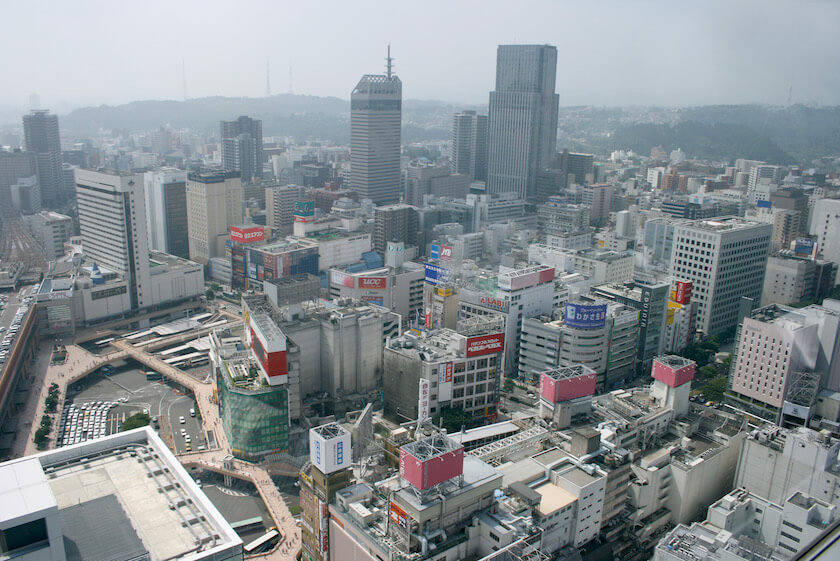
13, 166
783, 358
375, 120
825, 224
280, 206
577, 168
242, 148
795, 200
40, 131
214, 204
725, 259
764, 173
166, 210
395, 223
469, 145
522, 122
112, 219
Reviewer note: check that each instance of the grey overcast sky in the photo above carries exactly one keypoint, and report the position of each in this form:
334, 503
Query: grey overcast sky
620, 52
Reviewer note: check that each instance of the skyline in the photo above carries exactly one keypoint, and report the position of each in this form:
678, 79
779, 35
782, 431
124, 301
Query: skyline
720, 52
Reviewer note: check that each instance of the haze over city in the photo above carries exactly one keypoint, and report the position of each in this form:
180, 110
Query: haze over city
431, 281
610, 52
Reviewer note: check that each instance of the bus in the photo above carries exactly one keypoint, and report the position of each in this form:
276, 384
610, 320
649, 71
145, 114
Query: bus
261, 541
104, 342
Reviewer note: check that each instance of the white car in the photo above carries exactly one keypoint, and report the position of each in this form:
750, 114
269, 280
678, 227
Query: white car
187, 438
182, 420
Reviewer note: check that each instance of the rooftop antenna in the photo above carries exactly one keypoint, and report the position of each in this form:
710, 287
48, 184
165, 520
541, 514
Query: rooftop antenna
267, 81
389, 62
184, 77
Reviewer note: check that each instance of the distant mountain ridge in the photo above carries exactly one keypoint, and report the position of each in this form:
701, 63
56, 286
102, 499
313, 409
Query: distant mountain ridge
782, 135
299, 116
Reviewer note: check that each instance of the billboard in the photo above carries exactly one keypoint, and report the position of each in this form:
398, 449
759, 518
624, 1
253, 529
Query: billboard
378, 300
445, 253
485, 344
444, 382
500, 304
398, 516
564, 389
271, 355
332, 453
342, 279
434, 251
586, 316
247, 234
372, 283
423, 396
526, 278
435, 274
304, 211
433, 470
804, 246
682, 292
763, 204
673, 377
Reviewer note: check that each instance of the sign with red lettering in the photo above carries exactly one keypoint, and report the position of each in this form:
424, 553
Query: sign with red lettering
342, 279
251, 234
399, 516
683, 292
445, 253
485, 344
373, 283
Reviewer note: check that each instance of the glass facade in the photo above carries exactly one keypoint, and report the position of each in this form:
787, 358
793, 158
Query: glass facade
255, 418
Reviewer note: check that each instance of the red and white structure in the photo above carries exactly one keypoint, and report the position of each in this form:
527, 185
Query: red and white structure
567, 383
672, 376
431, 461
268, 344
247, 234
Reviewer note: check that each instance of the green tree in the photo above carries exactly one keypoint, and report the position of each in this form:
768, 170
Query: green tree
453, 419
708, 372
713, 390
135, 421
215, 287
209, 294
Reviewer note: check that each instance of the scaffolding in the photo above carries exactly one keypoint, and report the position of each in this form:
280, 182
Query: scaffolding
495, 450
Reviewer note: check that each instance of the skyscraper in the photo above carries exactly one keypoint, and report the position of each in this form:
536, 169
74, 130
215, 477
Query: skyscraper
395, 223
214, 204
242, 148
41, 136
522, 122
725, 260
166, 207
112, 219
469, 145
375, 120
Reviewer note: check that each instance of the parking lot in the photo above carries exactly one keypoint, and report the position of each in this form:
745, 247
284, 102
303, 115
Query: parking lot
123, 390
14, 307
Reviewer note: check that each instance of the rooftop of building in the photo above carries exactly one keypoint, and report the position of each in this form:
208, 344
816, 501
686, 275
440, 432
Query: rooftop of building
283, 245
212, 175
579, 477
722, 224
553, 497
128, 487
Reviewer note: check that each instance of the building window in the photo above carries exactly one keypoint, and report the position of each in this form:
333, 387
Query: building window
24, 535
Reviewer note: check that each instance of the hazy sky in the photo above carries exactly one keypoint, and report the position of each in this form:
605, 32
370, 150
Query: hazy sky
672, 52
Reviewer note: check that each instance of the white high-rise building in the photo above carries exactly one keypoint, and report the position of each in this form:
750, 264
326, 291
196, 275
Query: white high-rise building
825, 224
112, 219
724, 258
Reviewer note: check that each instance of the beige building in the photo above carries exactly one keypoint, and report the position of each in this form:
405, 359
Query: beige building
214, 203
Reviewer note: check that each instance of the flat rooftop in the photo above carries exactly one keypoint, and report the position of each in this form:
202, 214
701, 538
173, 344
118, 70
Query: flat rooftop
119, 495
578, 477
553, 498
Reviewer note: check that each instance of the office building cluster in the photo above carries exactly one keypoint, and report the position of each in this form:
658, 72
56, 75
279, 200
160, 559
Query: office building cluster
489, 347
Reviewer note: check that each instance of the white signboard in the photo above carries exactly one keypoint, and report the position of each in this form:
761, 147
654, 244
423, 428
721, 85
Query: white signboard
423, 400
